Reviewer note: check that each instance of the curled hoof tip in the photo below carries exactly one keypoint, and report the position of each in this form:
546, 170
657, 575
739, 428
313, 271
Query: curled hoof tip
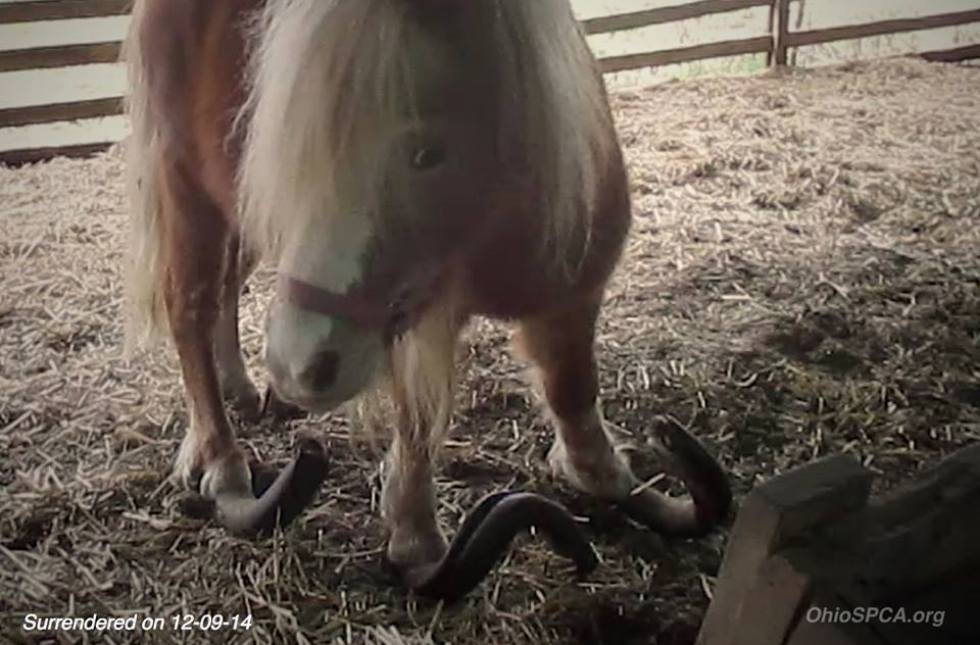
283, 497
486, 534
196, 506
263, 476
674, 438
710, 497
310, 451
312, 448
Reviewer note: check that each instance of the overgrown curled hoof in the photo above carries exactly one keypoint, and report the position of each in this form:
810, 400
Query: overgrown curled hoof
710, 495
274, 500
484, 537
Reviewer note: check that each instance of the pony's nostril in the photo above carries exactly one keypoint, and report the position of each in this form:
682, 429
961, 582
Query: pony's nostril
323, 372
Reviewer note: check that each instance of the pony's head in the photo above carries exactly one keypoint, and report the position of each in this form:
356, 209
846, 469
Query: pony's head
384, 138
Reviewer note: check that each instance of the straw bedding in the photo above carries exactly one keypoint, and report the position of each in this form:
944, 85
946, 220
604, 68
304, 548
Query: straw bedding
803, 278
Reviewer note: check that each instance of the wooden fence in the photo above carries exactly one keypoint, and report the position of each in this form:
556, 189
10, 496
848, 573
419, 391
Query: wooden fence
813, 559
775, 40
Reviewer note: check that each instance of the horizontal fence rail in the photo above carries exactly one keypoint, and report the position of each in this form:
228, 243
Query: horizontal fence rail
71, 111
34, 155
881, 28
953, 55
61, 10
650, 17
776, 42
760, 45
16, 60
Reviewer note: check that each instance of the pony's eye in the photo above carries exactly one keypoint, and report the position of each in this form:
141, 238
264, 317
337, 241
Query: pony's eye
426, 158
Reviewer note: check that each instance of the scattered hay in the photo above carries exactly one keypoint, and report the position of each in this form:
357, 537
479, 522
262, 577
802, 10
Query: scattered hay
803, 278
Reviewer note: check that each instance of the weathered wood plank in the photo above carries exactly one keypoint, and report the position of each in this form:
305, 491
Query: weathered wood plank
59, 56
648, 17
781, 33
53, 112
773, 603
953, 55
774, 512
758, 45
34, 155
881, 28
61, 10
814, 627
927, 529
811, 561
771, 30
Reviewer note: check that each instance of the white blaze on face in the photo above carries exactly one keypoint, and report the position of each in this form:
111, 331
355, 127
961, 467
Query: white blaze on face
333, 85
317, 361
329, 251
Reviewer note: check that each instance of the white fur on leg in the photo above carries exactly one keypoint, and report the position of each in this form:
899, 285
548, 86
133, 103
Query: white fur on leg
408, 506
586, 455
206, 469
422, 378
189, 465
228, 474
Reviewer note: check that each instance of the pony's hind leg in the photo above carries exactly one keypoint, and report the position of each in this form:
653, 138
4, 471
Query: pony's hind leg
196, 235
561, 346
236, 387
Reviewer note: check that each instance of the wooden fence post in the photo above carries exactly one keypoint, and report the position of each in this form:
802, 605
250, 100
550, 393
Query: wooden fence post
780, 31
771, 30
756, 599
810, 558
801, 7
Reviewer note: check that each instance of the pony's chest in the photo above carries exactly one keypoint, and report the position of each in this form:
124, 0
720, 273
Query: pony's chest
508, 279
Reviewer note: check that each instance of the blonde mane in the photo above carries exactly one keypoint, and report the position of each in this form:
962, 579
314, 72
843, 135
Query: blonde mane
327, 74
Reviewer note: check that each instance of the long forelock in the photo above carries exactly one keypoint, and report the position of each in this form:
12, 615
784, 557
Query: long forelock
322, 73
326, 74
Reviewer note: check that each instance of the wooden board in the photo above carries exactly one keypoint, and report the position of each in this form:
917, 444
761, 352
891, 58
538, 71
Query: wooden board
11, 12
953, 55
637, 19
34, 155
60, 56
881, 28
54, 112
760, 45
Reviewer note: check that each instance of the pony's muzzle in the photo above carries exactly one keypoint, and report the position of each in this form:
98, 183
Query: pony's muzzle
318, 362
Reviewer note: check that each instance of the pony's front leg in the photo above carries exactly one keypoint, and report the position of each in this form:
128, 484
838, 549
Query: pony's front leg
409, 501
195, 244
422, 377
560, 345
210, 459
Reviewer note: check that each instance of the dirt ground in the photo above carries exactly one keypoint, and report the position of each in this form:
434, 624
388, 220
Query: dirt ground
803, 278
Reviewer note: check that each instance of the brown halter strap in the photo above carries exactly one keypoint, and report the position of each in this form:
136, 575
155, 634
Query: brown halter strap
356, 306
366, 308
